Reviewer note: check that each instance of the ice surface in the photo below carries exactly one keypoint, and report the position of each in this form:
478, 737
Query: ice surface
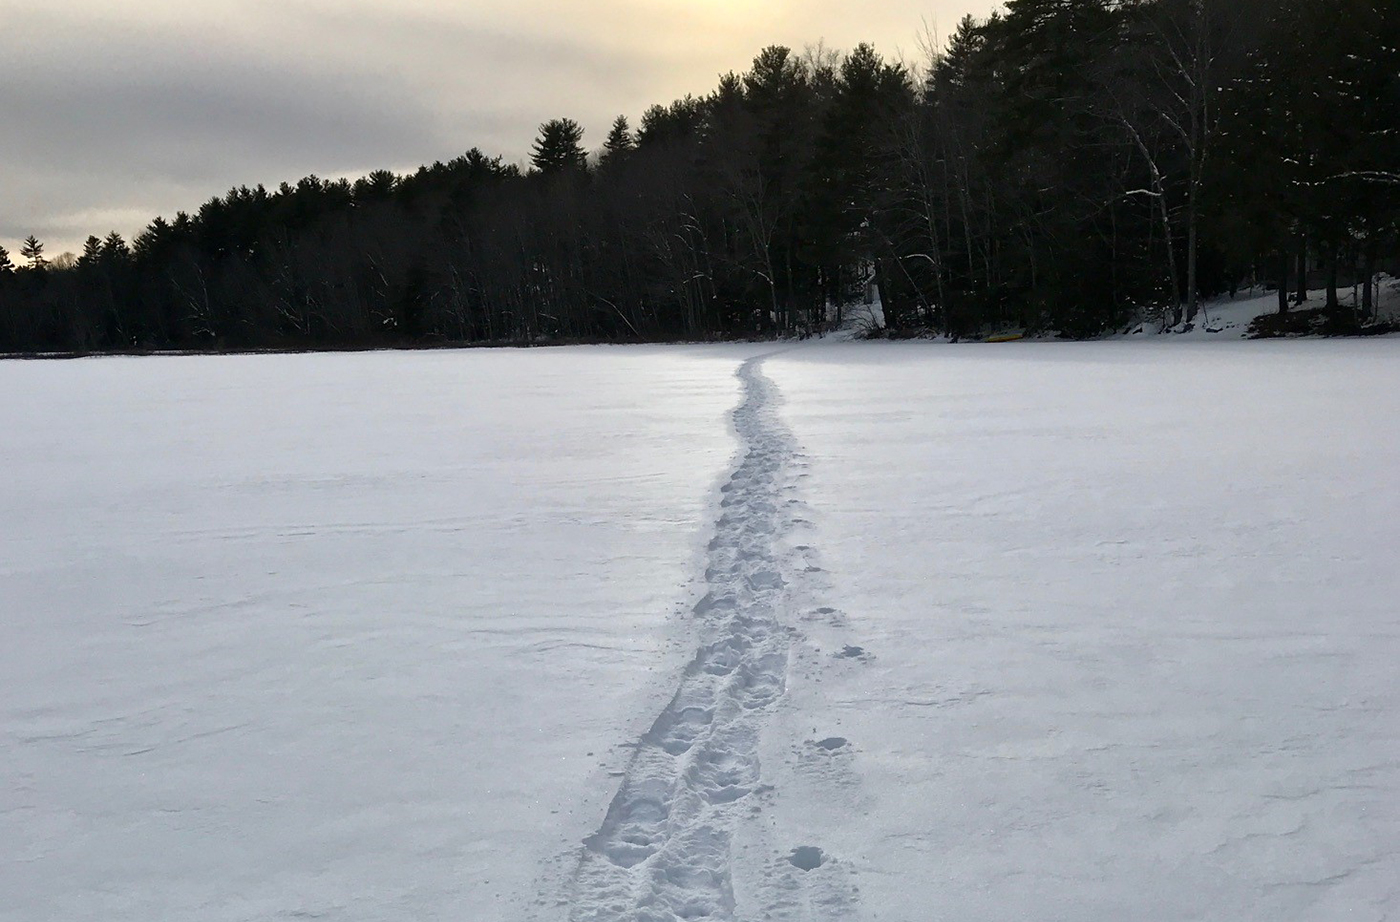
1033, 631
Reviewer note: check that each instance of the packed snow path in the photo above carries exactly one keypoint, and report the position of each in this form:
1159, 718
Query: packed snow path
665, 849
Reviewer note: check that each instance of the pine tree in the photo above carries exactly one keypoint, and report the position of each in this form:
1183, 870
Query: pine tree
1044, 176
1294, 137
1051, 147
33, 251
680, 120
869, 98
559, 147
92, 252
1353, 126
114, 249
378, 184
619, 143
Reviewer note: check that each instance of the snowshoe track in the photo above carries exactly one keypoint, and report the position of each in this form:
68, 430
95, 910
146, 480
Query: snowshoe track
664, 851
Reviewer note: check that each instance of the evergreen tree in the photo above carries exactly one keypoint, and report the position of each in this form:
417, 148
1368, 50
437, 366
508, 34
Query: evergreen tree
559, 147
114, 249
619, 143
149, 243
1044, 175
92, 253
1353, 126
1303, 146
848, 172
33, 251
950, 198
377, 185
6, 266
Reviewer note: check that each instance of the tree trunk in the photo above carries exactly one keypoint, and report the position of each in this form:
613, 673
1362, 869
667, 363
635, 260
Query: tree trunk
887, 297
1172, 281
1368, 262
1302, 270
1283, 261
1193, 301
1333, 302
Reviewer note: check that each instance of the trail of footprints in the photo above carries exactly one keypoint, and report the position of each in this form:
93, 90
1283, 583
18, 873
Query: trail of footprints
663, 852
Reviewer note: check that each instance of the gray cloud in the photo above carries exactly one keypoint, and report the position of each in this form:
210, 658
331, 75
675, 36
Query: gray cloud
186, 122
111, 116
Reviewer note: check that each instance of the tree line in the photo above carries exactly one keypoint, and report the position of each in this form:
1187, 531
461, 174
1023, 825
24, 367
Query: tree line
1063, 165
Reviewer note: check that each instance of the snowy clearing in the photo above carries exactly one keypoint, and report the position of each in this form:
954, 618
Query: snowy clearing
806, 632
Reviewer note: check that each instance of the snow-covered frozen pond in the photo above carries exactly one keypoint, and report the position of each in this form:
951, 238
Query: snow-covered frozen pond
1042, 631
1135, 614
346, 635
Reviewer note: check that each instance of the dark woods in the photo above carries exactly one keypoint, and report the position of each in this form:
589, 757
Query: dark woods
1066, 166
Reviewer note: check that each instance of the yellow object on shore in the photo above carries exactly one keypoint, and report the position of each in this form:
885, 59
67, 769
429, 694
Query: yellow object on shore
1006, 338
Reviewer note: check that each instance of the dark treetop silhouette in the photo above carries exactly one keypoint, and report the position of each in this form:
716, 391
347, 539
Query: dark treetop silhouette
1065, 165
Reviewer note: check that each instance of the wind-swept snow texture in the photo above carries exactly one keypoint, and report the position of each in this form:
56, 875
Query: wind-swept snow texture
1042, 631
355, 637
1130, 622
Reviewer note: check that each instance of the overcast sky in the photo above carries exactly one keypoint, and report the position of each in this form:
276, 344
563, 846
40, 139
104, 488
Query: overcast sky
114, 111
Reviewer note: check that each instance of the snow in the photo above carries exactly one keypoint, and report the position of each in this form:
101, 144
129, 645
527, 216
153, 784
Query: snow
359, 636
1129, 614
821, 631
666, 847
1225, 317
